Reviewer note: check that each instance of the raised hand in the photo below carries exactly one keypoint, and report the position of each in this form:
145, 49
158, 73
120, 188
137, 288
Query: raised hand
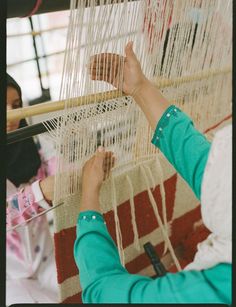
124, 73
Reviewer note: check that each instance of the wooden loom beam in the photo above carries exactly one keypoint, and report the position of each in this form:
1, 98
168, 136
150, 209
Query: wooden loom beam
48, 107
26, 132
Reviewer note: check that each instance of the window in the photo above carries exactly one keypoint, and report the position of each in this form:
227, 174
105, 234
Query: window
35, 54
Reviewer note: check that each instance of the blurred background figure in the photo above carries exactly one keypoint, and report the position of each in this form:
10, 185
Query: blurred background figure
31, 270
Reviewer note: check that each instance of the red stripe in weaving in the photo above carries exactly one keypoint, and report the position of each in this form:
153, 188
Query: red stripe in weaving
73, 299
177, 237
64, 244
145, 218
183, 225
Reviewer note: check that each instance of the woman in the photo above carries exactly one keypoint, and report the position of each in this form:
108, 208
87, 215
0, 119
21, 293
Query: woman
206, 168
31, 271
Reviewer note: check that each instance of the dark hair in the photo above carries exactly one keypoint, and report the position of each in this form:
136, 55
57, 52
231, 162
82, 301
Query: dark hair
23, 160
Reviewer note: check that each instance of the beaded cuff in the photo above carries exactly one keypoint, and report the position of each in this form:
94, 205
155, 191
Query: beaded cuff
171, 111
90, 216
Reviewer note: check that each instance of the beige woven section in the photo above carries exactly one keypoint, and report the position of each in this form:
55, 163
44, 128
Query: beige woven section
69, 287
65, 216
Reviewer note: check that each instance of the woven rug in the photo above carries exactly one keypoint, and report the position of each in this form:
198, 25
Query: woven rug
185, 229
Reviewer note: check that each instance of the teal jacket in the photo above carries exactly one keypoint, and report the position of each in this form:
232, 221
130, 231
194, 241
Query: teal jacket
104, 280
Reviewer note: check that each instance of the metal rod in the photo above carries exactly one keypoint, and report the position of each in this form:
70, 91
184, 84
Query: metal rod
35, 33
36, 54
27, 132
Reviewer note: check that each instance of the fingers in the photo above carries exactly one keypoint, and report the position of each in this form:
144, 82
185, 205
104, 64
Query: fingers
108, 163
101, 149
104, 160
105, 60
99, 157
98, 167
130, 55
106, 67
129, 49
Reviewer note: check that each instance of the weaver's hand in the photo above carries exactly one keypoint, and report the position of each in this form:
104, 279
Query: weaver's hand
47, 188
124, 73
95, 171
130, 79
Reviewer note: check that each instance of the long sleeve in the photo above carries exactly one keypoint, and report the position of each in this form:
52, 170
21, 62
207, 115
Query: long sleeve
29, 247
185, 147
25, 204
104, 280
29, 200
30, 261
31, 243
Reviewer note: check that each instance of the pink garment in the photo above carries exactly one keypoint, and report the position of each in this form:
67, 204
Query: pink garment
22, 204
48, 167
30, 250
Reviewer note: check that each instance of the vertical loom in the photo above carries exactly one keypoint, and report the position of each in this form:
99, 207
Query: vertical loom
187, 54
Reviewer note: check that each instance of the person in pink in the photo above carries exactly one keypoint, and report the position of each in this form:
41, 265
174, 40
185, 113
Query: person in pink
30, 261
